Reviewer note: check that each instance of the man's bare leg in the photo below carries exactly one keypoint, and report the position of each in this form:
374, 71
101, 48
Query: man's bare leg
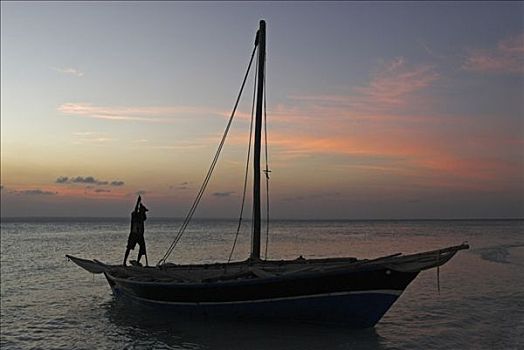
125, 256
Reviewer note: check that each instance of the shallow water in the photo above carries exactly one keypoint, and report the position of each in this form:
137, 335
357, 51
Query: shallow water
50, 303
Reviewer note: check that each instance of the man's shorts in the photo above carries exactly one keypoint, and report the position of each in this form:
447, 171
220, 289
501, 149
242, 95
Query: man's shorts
135, 238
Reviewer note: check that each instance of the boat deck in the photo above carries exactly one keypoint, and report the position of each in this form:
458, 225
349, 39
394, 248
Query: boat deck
249, 269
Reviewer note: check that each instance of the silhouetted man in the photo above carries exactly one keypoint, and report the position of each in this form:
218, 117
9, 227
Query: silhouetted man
136, 234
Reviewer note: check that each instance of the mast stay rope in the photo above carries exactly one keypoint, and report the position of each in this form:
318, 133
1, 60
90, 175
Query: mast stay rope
266, 171
193, 208
247, 164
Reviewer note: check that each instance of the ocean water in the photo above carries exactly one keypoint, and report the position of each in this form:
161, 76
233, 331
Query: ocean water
48, 302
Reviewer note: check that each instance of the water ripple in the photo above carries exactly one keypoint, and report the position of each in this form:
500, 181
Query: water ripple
48, 303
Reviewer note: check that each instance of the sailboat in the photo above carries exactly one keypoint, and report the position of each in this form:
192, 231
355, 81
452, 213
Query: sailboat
348, 291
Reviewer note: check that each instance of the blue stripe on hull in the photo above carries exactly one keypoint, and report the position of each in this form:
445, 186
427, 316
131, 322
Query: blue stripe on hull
360, 310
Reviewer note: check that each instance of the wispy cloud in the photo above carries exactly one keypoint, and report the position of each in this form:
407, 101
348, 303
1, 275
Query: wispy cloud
35, 192
393, 86
314, 196
392, 118
431, 52
507, 57
181, 186
117, 183
223, 194
356, 123
91, 137
69, 71
185, 146
153, 114
395, 83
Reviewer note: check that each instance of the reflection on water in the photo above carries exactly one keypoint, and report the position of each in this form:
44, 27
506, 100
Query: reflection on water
151, 328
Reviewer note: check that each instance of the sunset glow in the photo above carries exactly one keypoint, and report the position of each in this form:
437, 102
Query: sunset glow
376, 115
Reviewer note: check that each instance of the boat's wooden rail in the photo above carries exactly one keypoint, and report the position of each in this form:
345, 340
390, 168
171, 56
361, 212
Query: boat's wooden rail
215, 273
425, 260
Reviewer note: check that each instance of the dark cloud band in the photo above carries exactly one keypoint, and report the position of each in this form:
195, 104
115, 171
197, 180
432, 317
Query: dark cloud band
87, 180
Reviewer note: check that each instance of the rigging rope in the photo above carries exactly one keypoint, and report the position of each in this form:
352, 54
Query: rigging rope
247, 164
211, 168
266, 171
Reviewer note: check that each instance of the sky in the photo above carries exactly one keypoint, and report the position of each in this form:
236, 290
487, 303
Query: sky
376, 110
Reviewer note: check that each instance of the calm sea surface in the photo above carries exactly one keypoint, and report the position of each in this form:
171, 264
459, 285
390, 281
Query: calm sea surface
50, 303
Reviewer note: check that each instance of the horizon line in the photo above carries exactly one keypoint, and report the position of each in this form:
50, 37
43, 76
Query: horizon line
20, 218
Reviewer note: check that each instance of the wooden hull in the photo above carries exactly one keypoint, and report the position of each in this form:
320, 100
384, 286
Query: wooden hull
357, 299
347, 291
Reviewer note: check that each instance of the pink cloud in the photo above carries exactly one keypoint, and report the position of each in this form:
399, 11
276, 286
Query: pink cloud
507, 57
512, 45
93, 137
425, 158
70, 71
142, 114
395, 85
391, 118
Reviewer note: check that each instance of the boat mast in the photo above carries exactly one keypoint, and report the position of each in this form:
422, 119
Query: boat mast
255, 244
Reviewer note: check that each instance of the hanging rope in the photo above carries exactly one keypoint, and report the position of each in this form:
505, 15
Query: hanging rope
438, 272
247, 164
211, 168
266, 171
